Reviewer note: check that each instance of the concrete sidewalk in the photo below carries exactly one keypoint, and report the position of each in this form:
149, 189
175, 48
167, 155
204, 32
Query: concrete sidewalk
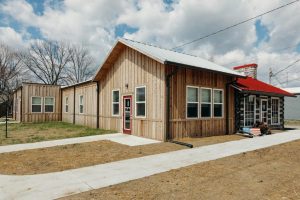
59, 184
129, 140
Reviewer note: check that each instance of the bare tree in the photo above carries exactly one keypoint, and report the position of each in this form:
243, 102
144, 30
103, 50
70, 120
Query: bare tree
47, 60
10, 68
80, 68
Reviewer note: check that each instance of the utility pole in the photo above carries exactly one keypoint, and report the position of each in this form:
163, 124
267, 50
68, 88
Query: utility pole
270, 75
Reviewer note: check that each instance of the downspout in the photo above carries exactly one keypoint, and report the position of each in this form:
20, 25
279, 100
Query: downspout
168, 77
98, 101
74, 97
227, 105
168, 135
21, 103
61, 103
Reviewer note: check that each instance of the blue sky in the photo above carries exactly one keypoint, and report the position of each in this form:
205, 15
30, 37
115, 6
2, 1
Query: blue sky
166, 23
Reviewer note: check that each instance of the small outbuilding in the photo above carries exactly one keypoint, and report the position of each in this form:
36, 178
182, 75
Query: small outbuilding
257, 100
35, 102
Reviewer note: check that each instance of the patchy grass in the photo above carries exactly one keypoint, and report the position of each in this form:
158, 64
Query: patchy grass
292, 122
270, 173
36, 132
53, 159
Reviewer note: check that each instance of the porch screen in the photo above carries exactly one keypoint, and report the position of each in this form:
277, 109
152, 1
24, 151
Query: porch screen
275, 111
249, 114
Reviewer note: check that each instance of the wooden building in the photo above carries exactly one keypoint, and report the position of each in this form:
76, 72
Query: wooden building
257, 101
34, 102
156, 93
79, 104
161, 94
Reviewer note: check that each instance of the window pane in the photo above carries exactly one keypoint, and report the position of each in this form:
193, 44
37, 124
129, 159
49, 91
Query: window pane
192, 110
67, 108
192, 94
49, 108
218, 110
205, 110
141, 109
37, 100
206, 95
36, 108
116, 109
218, 96
81, 109
140, 94
49, 101
67, 100
81, 100
115, 96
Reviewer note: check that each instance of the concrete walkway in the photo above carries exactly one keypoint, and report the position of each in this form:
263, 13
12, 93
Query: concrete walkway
129, 140
59, 184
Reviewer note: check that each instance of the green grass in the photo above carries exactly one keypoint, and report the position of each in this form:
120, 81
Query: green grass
36, 132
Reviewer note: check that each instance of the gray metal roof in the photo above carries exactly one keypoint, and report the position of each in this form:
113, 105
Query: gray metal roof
167, 56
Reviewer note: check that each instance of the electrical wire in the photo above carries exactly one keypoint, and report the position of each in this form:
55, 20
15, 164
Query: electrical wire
234, 25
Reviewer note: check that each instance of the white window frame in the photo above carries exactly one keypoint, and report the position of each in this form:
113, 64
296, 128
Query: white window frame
254, 112
37, 104
213, 101
81, 104
136, 102
261, 114
187, 102
113, 103
277, 98
49, 105
66, 104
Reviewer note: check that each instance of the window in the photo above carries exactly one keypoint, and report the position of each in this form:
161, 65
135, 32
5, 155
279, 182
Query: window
67, 104
36, 104
140, 101
249, 111
115, 102
192, 102
218, 103
49, 104
275, 111
205, 102
81, 104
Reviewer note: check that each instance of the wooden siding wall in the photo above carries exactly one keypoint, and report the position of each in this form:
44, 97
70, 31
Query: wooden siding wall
68, 116
39, 90
180, 126
135, 69
89, 115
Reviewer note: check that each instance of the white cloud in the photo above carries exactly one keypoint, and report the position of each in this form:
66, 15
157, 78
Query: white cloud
92, 23
11, 38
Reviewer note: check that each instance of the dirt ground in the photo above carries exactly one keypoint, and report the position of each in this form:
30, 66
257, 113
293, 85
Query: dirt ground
73, 156
36, 132
197, 142
270, 173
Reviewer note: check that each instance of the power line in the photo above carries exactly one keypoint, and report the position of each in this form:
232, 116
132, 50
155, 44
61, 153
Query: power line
234, 25
290, 65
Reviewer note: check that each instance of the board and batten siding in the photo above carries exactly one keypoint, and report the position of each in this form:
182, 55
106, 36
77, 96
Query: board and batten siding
180, 125
40, 90
68, 116
128, 70
89, 115
17, 105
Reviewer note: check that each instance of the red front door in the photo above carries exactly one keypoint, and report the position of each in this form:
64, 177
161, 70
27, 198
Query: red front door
127, 114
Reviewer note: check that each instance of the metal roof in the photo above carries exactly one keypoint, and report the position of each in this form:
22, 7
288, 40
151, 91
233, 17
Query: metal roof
293, 90
166, 56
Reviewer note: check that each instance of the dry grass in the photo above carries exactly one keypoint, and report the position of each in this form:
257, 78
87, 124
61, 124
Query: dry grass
73, 156
36, 132
197, 142
66, 157
271, 173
